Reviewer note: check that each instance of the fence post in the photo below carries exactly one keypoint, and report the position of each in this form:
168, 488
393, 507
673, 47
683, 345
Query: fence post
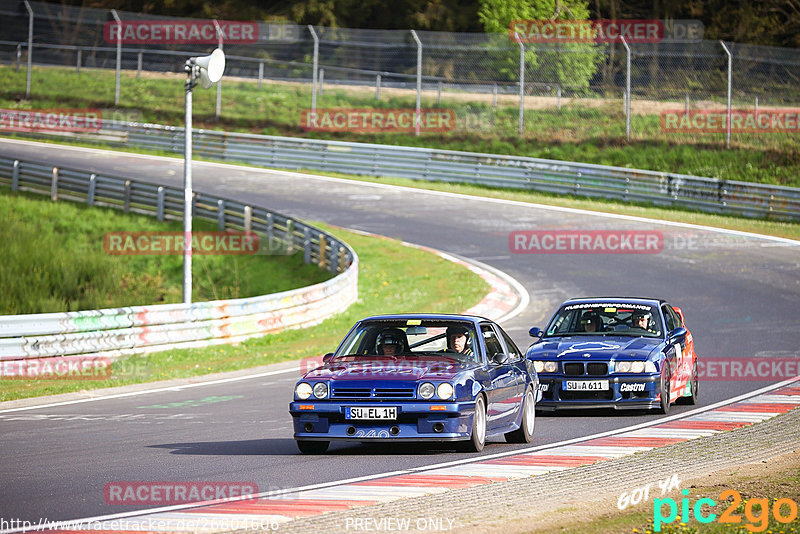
92, 189
378, 87
439, 94
730, 72
139, 64
15, 176
627, 89
248, 219
321, 80
54, 185
419, 81
221, 215
78, 61
160, 204
30, 50
119, 54
755, 109
323, 248
289, 236
260, 73
314, 65
127, 196
220, 37
270, 227
521, 84
306, 245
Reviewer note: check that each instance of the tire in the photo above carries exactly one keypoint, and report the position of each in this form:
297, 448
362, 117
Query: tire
665, 390
691, 399
524, 434
312, 447
477, 438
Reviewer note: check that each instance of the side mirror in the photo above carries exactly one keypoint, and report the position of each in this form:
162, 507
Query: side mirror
535, 332
328, 357
499, 358
677, 333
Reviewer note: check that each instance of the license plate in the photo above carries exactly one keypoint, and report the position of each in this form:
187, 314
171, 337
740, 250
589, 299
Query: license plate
371, 412
585, 385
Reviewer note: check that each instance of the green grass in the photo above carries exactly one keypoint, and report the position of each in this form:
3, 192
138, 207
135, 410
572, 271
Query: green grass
590, 131
392, 278
54, 261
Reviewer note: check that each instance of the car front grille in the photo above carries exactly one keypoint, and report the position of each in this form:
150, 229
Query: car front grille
581, 368
346, 392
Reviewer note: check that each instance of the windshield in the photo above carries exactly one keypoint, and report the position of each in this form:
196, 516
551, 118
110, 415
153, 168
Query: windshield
411, 337
607, 318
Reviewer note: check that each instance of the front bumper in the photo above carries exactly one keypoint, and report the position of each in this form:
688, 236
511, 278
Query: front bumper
415, 421
625, 392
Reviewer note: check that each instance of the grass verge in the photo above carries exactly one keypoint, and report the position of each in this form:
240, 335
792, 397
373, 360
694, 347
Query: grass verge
54, 261
392, 278
586, 130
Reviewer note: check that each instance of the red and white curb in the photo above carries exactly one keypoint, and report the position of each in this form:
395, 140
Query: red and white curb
273, 510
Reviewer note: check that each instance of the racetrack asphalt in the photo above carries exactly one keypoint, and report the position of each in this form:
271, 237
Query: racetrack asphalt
739, 295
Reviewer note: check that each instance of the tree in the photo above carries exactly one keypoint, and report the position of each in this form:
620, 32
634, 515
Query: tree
566, 64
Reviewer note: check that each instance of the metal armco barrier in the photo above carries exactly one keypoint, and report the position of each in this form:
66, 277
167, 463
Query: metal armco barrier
129, 330
549, 176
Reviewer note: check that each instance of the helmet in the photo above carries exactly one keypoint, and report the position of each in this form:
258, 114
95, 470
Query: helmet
637, 315
592, 317
392, 336
457, 331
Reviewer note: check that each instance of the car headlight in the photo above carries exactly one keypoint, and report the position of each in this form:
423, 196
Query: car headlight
545, 367
444, 391
649, 367
302, 390
426, 390
637, 367
320, 390
623, 367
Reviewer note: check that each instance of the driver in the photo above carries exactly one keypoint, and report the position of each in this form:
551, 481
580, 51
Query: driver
390, 342
591, 322
457, 337
642, 320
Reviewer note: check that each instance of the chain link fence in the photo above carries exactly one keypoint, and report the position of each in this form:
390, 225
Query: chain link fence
412, 69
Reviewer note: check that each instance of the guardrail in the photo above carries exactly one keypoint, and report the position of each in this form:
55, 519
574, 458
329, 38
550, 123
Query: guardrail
129, 330
549, 176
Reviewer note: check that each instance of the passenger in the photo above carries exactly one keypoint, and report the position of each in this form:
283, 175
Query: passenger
642, 320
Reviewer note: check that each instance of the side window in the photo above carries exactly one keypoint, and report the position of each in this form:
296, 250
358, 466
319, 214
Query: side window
675, 317
513, 350
669, 316
493, 345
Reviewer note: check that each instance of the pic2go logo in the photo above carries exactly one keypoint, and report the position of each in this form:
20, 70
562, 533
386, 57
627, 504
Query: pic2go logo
756, 511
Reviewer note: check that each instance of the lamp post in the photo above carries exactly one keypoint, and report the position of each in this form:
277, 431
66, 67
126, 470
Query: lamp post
208, 70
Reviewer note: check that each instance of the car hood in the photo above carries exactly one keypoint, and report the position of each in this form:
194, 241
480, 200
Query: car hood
595, 348
409, 368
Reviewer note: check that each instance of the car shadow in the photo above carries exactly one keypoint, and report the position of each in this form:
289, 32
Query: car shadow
250, 447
